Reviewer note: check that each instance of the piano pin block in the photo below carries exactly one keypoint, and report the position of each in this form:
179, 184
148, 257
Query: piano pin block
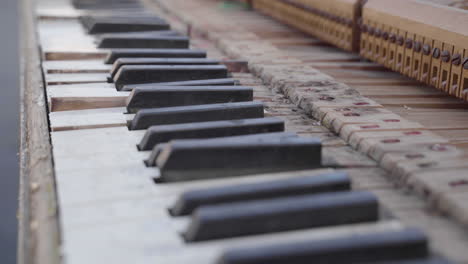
281, 214
408, 54
209, 82
369, 52
198, 113
136, 74
430, 42
400, 50
161, 134
445, 67
335, 31
364, 26
168, 96
392, 48
464, 80
383, 50
160, 61
426, 60
456, 71
328, 24
347, 27
377, 43
189, 201
115, 54
404, 246
143, 41
332, 21
99, 25
435, 71
185, 160
416, 65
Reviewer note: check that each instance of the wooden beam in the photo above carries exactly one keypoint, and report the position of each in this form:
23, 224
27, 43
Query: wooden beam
39, 235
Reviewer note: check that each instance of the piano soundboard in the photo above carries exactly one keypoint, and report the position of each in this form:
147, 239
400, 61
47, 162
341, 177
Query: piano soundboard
174, 132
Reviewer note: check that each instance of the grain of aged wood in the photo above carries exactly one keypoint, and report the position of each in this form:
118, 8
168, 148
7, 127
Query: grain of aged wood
39, 235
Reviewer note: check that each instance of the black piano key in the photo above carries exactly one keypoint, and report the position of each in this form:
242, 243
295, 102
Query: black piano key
406, 244
210, 82
136, 74
168, 96
430, 260
198, 113
107, 5
158, 149
327, 182
187, 160
100, 25
140, 34
143, 41
160, 61
161, 134
281, 214
127, 17
115, 54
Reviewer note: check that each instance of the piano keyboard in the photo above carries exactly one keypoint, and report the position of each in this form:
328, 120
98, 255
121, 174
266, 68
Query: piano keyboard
167, 151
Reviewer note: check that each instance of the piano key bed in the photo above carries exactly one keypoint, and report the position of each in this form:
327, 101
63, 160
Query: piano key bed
167, 150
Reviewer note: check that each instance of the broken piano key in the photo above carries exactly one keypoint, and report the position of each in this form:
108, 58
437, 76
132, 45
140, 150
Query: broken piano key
198, 113
137, 74
115, 54
281, 214
321, 183
184, 160
167, 96
164, 133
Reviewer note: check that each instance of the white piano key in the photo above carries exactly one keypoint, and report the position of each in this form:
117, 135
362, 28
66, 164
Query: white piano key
157, 241
71, 98
87, 85
52, 34
90, 118
75, 78
76, 66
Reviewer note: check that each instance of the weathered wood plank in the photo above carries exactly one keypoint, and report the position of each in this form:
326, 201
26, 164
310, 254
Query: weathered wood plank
39, 232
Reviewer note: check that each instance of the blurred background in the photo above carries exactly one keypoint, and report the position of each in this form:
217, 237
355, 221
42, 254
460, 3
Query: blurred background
9, 128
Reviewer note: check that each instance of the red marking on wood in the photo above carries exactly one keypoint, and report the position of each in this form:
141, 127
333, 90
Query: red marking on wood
361, 103
370, 126
415, 156
458, 183
391, 141
413, 133
351, 114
